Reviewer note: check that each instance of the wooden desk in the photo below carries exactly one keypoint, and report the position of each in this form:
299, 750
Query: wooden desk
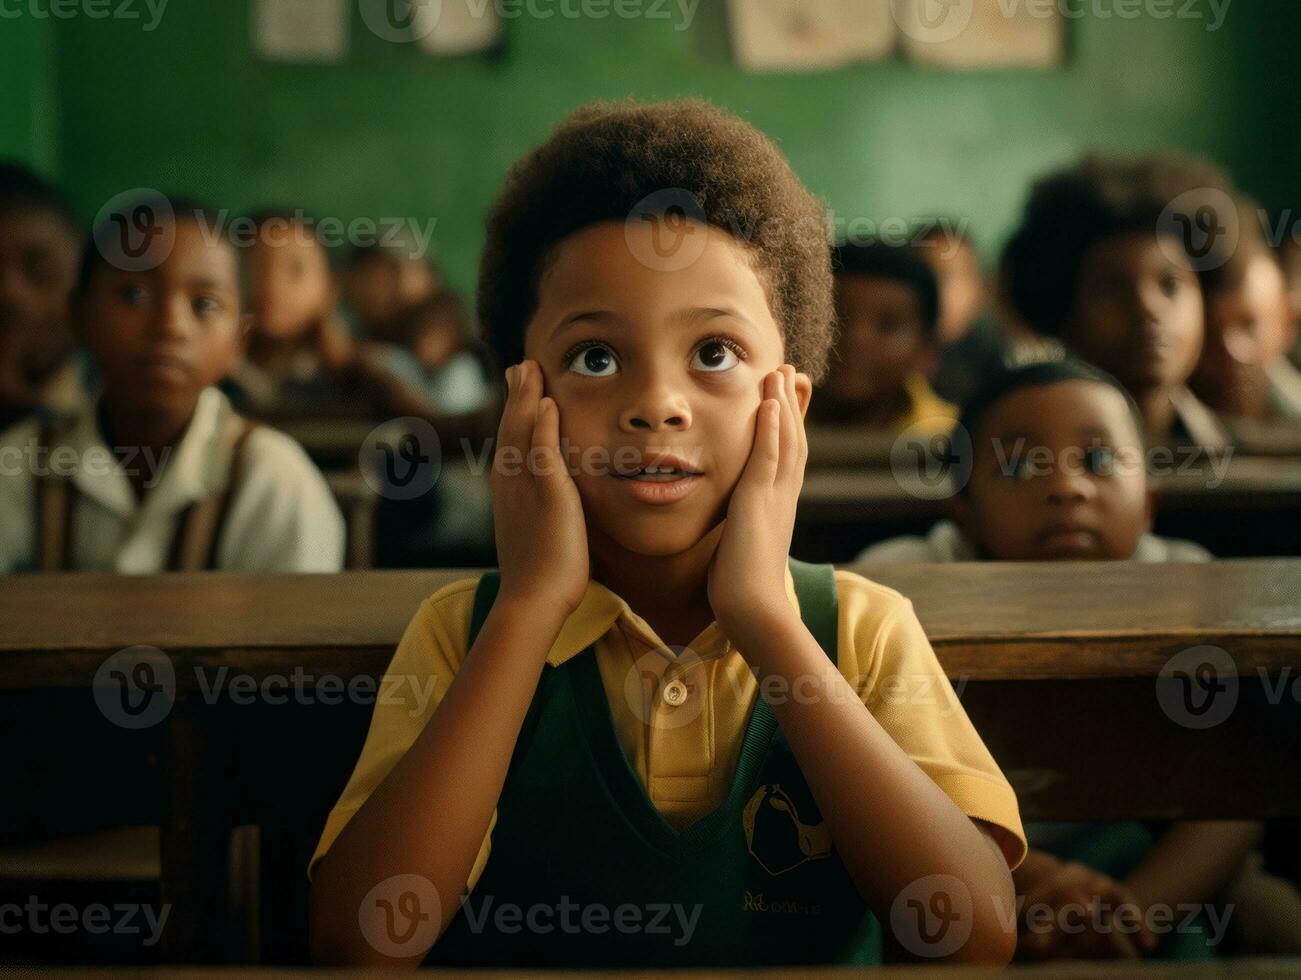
1057, 666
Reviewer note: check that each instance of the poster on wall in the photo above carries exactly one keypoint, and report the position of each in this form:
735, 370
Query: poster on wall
809, 35
462, 27
974, 34
298, 31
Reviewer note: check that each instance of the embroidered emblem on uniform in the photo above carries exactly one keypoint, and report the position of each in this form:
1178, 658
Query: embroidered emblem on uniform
774, 834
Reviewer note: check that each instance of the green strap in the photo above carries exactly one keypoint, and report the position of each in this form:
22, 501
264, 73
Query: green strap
484, 596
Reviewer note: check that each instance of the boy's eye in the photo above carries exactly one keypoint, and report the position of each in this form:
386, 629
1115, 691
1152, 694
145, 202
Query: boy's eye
134, 293
594, 361
205, 305
715, 355
1100, 460
1170, 285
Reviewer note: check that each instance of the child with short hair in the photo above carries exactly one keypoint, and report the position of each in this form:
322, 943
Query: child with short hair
1051, 467
163, 474
1099, 264
39, 239
1244, 372
598, 744
888, 307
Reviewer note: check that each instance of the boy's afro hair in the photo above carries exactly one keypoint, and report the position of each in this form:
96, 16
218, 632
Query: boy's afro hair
23, 189
1071, 211
897, 263
606, 160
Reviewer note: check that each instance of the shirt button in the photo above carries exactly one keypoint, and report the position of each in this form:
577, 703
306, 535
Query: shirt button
674, 693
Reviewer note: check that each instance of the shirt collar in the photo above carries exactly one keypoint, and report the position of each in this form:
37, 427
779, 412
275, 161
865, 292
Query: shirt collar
601, 609
187, 473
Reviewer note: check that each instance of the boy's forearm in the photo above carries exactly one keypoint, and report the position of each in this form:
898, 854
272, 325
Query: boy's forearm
890, 822
430, 814
1192, 862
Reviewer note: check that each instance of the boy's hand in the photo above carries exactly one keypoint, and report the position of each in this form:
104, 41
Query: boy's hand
1075, 912
537, 513
747, 579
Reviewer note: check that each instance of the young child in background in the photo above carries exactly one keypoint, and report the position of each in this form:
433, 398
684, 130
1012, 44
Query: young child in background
1057, 473
575, 758
384, 282
164, 475
39, 240
434, 363
299, 352
1244, 371
888, 307
1289, 256
971, 341
1095, 265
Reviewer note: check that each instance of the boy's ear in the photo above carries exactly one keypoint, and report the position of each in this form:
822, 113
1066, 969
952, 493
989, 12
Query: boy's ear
245, 331
803, 392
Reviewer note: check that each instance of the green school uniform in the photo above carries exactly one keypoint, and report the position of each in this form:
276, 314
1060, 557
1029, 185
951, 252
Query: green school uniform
585, 873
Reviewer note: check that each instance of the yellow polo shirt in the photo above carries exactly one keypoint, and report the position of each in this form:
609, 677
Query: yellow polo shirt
681, 715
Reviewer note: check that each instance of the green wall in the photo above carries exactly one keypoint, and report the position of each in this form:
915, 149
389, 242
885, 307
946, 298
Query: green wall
28, 113
392, 133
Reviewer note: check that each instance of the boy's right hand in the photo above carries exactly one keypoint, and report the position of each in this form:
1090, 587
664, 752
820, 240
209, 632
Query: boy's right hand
1079, 918
537, 513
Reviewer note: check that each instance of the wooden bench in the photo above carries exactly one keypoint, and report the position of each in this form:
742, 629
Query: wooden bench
1059, 666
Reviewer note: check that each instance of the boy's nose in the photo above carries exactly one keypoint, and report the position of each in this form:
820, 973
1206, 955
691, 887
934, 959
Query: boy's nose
171, 318
655, 407
1069, 484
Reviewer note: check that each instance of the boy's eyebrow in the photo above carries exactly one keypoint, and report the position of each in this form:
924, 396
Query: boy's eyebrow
686, 317
211, 282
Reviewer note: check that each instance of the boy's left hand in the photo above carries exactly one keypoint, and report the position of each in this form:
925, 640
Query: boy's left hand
747, 578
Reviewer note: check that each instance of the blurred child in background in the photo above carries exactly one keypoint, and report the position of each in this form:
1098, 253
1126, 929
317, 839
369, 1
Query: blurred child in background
1057, 473
383, 282
1099, 263
1244, 371
39, 240
165, 475
299, 351
888, 308
971, 342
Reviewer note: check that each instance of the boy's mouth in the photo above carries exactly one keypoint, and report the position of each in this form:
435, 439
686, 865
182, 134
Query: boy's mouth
662, 479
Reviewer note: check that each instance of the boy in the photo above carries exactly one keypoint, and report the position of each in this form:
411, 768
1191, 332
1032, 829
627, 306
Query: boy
1014, 505
1056, 473
971, 342
1095, 265
1244, 372
576, 764
39, 236
187, 483
888, 305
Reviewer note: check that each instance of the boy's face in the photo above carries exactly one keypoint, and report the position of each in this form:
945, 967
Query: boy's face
1058, 474
289, 284
962, 284
882, 339
1138, 313
643, 363
38, 268
161, 336
1248, 328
